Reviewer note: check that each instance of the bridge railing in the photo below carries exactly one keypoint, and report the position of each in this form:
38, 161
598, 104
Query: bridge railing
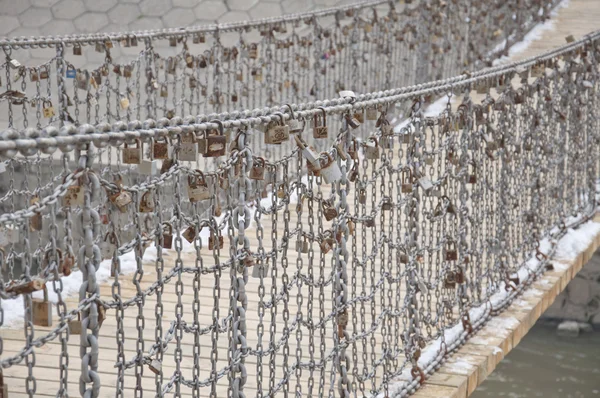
320, 248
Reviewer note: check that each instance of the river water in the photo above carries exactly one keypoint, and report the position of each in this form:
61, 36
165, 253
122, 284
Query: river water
547, 365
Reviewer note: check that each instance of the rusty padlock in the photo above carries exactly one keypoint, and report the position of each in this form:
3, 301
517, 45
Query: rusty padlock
320, 125
257, 172
75, 325
407, 181
74, 196
190, 234
214, 142
450, 280
42, 310
35, 221
167, 236
473, 173
450, 250
329, 210
215, 241
146, 203
133, 155
121, 199
386, 203
198, 188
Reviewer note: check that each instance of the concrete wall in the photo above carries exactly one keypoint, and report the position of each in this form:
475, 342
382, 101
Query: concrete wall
580, 301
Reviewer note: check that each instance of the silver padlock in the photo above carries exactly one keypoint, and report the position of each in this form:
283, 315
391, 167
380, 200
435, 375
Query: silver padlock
2, 167
425, 183
108, 245
188, 150
330, 170
307, 152
260, 270
372, 149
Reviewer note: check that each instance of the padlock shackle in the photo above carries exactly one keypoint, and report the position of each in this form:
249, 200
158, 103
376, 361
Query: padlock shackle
220, 124
291, 111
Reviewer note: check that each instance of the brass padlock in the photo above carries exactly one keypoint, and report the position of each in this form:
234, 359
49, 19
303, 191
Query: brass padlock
188, 150
133, 155
198, 188
167, 236
329, 210
215, 241
124, 102
327, 244
214, 142
146, 203
359, 115
451, 253
407, 181
41, 310
351, 227
281, 191
372, 148
160, 149
352, 121
35, 221
74, 196
257, 172
320, 125
47, 109
190, 234
277, 132
75, 325
164, 90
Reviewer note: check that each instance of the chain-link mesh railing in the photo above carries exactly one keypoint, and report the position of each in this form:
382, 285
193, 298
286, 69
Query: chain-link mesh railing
339, 247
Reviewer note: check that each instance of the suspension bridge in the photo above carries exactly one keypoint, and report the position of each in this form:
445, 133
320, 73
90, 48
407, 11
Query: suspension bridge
275, 207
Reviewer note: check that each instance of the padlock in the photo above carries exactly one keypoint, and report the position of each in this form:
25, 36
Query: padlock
459, 274
44, 74
75, 325
82, 80
407, 181
148, 167
74, 196
330, 170
451, 253
281, 191
257, 172
362, 196
253, 51
188, 150
124, 102
35, 221
70, 73
425, 184
352, 121
320, 125
473, 173
127, 69
215, 242
450, 281
164, 90
77, 49
353, 173
121, 200
372, 114
326, 244
369, 222
260, 270
404, 259
41, 310
214, 143
386, 203
277, 132
190, 234
372, 148
167, 164
155, 366
308, 152
198, 188
133, 155
450, 207
295, 126
167, 236
160, 149
108, 245
67, 264
329, 210
47, 109
146, 203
